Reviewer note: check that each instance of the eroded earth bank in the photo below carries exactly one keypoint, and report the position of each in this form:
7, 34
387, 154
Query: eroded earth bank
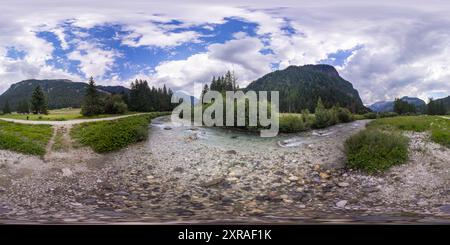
195, 174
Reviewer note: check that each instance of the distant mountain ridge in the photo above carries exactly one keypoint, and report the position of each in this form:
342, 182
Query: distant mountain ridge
388, 106
301, 86
61, 93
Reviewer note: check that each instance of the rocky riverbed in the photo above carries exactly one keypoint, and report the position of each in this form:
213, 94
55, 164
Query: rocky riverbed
201, 175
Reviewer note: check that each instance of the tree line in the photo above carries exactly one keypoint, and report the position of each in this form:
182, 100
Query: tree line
141, 98
36, 105
222, 84
433, 107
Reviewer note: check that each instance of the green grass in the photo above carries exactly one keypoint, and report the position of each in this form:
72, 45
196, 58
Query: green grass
373, 150
58, 115
106, 136
28, 139
438, 126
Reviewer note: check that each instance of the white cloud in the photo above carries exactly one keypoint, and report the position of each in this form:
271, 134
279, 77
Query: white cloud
94, 61
146, 34
405, 44
239, 55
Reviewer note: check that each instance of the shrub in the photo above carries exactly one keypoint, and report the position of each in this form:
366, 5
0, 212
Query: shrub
323, 117
370, 115
373, 150
387, 114
113, 104
344, 115
292, 124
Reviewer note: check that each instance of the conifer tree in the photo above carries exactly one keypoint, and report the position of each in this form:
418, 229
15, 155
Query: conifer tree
91, 103
38, 101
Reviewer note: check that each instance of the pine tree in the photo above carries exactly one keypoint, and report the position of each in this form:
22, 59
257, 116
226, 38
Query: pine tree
204, 91
91, 103
6, 108
38, 101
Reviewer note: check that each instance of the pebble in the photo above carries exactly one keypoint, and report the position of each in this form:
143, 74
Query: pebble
343, 184
293, 178
341, 203
324, 175
66, 172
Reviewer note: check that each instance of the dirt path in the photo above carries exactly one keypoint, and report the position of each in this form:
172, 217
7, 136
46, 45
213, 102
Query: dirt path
68, 122
60, 142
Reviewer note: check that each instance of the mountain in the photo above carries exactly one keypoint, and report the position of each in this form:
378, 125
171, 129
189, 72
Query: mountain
382, 106
301, 86
186, 97
388, 106
61, 93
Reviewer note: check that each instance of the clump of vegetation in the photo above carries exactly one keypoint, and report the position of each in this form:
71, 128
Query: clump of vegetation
106, 136
344, 115
387, 114
439, 127
323, 117
402, 107
370, 115
114, 104
292, 123
28, 139
374, 151
328, 117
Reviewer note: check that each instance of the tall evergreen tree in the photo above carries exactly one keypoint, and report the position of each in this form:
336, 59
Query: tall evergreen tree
204, 91
38, 101
91, 103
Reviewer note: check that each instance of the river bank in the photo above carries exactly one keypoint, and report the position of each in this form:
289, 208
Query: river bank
202, 175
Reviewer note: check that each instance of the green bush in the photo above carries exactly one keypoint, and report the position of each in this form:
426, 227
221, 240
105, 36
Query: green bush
344, 115
113, 104
373, 150
323, 117
292, 123
370, 115
387, 114
106, 136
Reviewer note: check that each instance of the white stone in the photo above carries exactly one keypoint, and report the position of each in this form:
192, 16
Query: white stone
341, 203
66, 172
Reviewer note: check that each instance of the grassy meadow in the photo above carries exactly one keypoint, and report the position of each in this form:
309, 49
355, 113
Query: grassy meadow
382, 145
28, 139
107, 136
438, 126
58, 115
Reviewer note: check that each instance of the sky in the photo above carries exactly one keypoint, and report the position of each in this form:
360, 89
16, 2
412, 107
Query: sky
386, 49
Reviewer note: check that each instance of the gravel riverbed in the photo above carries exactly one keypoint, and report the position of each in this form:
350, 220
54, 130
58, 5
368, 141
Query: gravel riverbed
200, 175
